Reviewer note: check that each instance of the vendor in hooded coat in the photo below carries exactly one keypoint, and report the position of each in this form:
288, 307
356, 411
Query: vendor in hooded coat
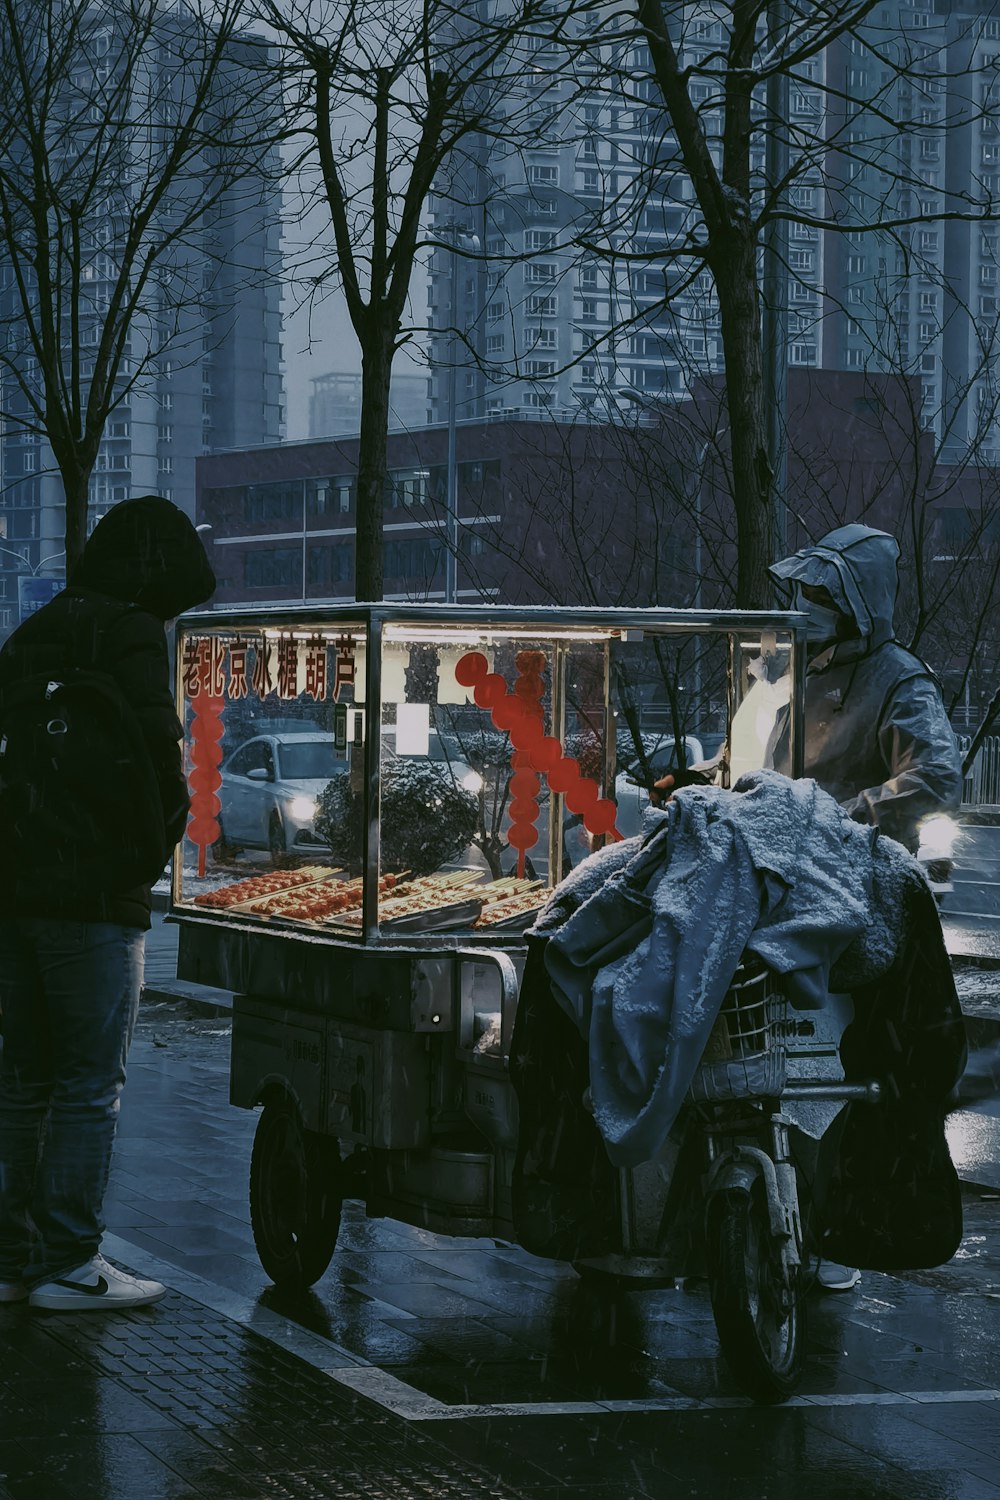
877, 735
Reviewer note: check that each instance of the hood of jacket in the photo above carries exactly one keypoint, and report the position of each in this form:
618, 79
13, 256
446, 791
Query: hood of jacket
146, 552
857, 566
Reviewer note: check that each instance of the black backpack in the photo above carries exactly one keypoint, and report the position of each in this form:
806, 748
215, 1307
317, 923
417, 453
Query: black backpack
80, 807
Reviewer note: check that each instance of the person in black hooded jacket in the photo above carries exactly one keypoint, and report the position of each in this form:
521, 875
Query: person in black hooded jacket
71, 962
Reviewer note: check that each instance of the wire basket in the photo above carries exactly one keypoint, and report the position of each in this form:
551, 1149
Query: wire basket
746, 1053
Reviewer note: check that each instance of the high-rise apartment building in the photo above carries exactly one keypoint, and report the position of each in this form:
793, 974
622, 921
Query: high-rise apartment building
201, 372
898, 119
335, 403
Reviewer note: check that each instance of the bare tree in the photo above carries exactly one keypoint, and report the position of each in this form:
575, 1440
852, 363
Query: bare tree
724, 74
393, 100
126, 127
721, 147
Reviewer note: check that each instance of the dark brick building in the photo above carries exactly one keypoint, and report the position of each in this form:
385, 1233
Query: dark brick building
598, 513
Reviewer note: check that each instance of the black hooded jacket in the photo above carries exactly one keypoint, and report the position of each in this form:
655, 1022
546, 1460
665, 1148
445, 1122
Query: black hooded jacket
144, 552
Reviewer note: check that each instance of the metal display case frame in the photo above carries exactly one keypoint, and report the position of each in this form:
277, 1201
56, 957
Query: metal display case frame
369, 1044
503, 621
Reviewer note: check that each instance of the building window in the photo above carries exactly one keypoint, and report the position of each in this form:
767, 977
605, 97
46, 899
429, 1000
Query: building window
540, 270
542, 307
415, 558
329, 565
539, 369
265, 503
474, 473
538, 239
540, 175
328, 497
494, 312
496, 343
540, 338
408, 487
272, 567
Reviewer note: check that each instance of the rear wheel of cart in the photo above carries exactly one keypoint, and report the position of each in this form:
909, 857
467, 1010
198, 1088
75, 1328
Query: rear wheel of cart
759, 1320
296, 1195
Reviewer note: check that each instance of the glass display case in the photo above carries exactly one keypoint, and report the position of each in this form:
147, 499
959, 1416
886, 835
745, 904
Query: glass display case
419, 774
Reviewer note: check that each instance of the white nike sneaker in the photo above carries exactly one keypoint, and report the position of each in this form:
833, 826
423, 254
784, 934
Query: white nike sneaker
95, 1287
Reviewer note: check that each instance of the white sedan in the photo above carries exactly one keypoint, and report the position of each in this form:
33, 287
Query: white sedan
269, 791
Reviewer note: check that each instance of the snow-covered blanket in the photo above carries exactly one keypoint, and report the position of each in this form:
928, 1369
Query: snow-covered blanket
644, 937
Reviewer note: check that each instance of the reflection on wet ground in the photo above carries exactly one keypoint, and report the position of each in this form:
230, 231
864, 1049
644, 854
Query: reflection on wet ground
899, 1395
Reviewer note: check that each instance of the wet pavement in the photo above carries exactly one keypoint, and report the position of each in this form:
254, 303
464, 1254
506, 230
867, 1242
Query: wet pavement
436, 1367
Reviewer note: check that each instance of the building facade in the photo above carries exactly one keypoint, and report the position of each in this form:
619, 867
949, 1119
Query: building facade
896, 120
335, 403
201, 370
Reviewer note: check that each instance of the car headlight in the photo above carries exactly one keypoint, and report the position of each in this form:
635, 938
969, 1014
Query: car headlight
472, 782
303, 809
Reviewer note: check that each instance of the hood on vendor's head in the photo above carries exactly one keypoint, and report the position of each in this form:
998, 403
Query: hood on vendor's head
146, 552
857, 566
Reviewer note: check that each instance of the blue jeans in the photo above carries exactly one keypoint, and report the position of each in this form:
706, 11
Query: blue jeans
69, 993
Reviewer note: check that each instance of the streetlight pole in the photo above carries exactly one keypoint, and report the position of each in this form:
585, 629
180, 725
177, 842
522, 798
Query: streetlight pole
451, 495
22, 558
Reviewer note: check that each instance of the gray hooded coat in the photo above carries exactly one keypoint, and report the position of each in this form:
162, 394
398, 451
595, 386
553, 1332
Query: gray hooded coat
877, 735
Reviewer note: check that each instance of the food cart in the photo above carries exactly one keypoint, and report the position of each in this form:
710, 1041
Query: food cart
382, 798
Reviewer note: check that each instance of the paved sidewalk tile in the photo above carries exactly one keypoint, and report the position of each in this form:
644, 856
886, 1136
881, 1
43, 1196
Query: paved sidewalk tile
178, 1400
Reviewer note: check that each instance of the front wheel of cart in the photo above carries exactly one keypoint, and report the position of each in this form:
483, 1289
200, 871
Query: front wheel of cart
296, 1195
760, 1321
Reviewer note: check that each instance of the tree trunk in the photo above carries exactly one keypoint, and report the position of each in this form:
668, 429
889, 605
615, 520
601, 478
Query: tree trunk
76, 487
734, 264
376, 369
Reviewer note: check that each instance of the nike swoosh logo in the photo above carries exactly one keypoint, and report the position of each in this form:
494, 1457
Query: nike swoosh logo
90, 1291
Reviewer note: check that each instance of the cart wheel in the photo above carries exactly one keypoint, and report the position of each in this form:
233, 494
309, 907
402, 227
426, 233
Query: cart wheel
295, 1197
760, 1324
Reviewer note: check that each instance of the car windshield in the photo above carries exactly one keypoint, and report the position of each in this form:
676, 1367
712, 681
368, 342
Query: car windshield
308, 760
